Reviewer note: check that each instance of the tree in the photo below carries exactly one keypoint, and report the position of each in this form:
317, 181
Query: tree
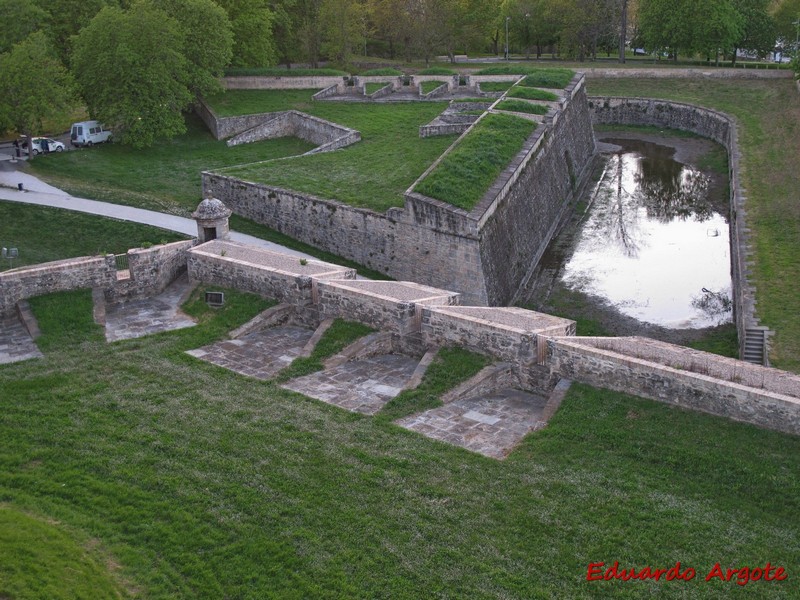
67, 17
207, 40
343, 28
20, 19
251, 21
757, 33
786, 15
34, 86
133, 74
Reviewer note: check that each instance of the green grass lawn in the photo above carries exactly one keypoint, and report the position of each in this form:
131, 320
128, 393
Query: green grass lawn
43, 234
185, 480
465, 174
373, 173
165, 177
768, 113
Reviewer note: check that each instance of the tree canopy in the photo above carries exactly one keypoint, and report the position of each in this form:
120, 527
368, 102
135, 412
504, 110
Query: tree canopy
34, 86
132, 72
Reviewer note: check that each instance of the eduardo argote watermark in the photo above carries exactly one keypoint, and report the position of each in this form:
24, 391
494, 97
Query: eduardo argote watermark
600, 571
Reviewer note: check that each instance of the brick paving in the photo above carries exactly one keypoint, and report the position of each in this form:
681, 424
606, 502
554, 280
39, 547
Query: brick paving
15, 343
490, 424
152, 315
363, 386
260, 354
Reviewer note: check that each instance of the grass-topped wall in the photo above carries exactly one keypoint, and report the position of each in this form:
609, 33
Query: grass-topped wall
464, 175
522, 106
529, 93
546, 78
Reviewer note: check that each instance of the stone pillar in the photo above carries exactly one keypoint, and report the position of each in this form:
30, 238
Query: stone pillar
212, 220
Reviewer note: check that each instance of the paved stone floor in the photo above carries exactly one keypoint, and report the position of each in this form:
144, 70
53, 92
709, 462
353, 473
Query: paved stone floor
490, 424
15, 343
362, 386
152, 315
260, 354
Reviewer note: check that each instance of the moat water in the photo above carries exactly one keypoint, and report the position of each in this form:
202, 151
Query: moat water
650, 240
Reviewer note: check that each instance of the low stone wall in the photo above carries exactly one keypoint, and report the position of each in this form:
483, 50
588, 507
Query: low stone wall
224, 127
581, 360
672, 73
448, 129
388, 305
259, 82
58, 276
151, 271
722, 129
506, 333
268, 274
324, 134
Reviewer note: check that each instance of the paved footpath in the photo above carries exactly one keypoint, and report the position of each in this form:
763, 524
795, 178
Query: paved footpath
38, 192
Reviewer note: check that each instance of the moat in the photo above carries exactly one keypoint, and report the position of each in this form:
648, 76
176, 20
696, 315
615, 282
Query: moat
648, 248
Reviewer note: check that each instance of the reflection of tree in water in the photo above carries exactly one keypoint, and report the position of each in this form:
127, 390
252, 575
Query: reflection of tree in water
715, 305
681, 197
669, 189
663, 187
617, 214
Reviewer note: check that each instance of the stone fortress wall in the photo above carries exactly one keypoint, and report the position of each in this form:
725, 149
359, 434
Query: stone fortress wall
485, 253
536, 349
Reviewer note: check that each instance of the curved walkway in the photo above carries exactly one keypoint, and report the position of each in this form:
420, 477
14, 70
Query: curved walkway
35, 191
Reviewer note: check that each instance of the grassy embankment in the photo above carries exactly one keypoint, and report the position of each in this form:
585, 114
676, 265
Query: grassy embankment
42, 234
768, 113
182, 479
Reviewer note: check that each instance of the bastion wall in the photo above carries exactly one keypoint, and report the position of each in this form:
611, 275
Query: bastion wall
485, 254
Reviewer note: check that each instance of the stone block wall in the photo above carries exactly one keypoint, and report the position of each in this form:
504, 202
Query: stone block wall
151, 271
58, 276
268, 274
391, 306
260, 82
623, 372
508, 334
325, 135
722, 129
522, 211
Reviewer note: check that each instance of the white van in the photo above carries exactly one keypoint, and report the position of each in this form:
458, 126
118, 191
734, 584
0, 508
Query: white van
87, 133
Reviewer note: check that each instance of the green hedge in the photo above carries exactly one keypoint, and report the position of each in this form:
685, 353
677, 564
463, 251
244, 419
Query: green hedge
382, 72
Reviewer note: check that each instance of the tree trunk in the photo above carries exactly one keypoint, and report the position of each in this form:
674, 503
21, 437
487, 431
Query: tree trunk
623, 30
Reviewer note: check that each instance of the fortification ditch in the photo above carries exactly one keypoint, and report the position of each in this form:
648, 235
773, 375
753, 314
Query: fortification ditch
722, 129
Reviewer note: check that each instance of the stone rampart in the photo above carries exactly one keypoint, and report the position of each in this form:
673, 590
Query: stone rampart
508, 334
672, 73
722, 129
151, 270
325, 135
677, 376
388, 305
261, 82
58, 276
268, 274
485, 253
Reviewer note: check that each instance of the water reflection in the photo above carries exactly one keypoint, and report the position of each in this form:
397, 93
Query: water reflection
652, 243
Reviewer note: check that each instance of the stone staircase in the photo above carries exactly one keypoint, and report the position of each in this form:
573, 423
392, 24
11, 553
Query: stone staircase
755, 346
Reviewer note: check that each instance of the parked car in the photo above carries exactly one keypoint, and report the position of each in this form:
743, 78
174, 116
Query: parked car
39, 143
87, 133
